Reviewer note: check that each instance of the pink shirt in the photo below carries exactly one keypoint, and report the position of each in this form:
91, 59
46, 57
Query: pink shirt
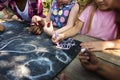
103, 24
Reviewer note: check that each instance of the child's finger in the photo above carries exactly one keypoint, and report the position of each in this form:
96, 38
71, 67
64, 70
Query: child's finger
92, 49
62, 76
53, 36
34, 29
54, 40
84, 57
84, 61
31, 28
38, 31
36, 18
51, 25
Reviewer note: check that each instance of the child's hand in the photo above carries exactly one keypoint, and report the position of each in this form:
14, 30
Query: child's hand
6, 16
36, 25
37, 20
96, 46
15, 17
48, 28
35, 30
89, 61
59, 38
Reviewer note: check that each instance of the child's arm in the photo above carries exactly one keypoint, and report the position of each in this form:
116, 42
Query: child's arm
102, 45
74, 30
90, 62
108, 72
48, 28
71, 19
71, 32
15, 17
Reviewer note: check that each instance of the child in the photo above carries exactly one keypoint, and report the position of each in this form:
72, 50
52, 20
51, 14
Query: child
5, 14
4, 9
107, 45
3, 6
91, 63
63, 14
26, 9
100, 23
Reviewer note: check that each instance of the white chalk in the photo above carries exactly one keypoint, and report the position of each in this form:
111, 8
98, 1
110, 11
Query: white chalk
83, 50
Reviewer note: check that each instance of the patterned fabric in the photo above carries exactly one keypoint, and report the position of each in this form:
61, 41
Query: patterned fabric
35, 7
2, 6
2, 1
59, 16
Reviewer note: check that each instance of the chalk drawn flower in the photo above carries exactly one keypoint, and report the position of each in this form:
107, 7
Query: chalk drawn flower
66, 12
62, 19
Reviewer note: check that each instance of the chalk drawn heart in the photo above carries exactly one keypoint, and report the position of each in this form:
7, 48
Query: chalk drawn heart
43, 66
18, 46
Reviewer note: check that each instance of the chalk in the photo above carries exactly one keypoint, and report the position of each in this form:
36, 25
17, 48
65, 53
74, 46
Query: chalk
83, 50
56, 35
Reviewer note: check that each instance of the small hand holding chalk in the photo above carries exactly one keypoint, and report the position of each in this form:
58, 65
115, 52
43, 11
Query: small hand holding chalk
83, 50
56, 35
48, 28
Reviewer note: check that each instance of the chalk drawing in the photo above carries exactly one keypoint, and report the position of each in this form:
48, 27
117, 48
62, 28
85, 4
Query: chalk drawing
20, 47
40, 59
43, 64
62, 56
66, 44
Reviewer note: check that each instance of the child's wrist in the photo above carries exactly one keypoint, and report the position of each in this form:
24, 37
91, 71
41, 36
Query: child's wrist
100, 67
108, 44
63, 36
